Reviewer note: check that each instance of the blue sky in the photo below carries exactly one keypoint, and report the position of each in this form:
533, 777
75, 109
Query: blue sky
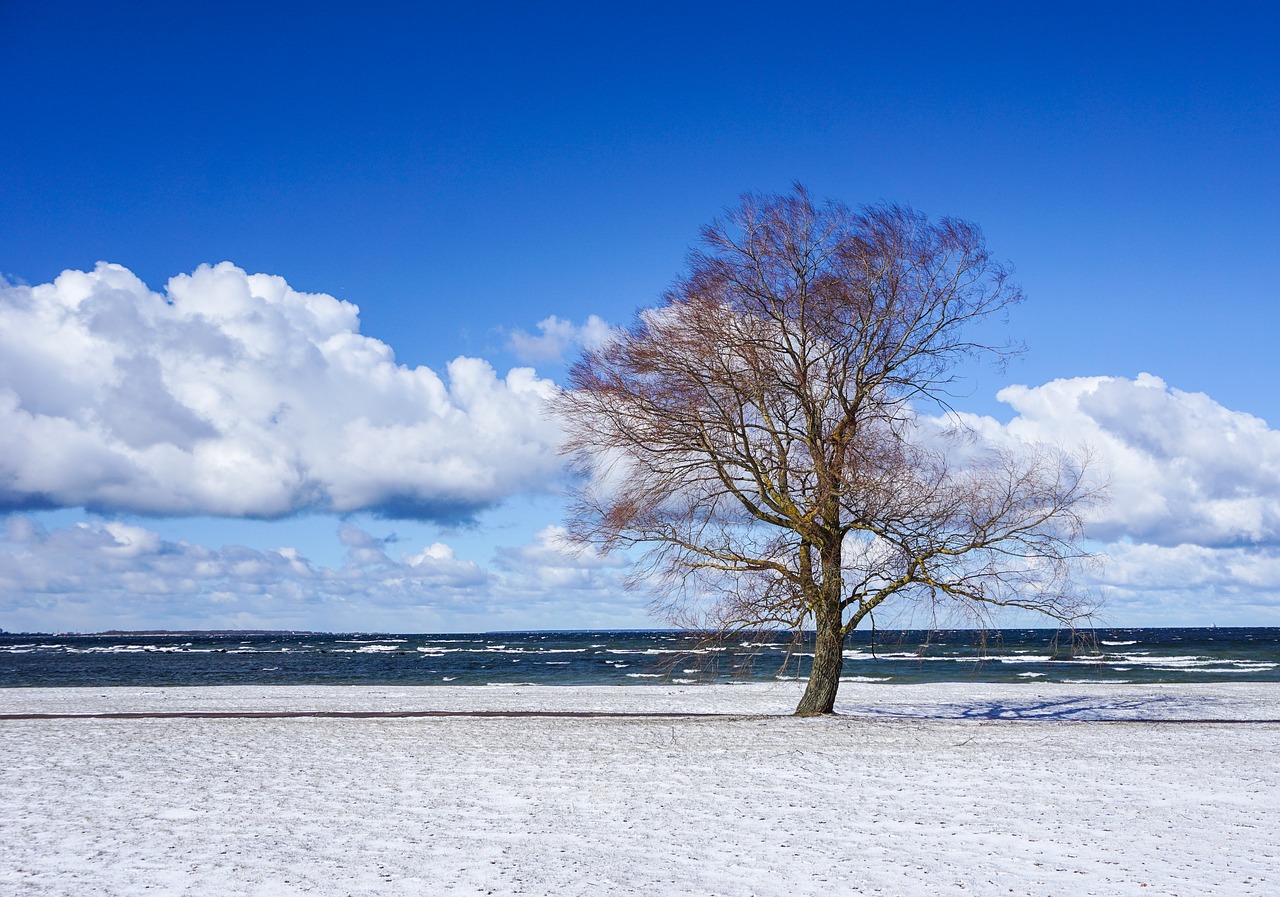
463, 173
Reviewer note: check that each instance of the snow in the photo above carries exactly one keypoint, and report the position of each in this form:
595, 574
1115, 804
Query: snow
965, 788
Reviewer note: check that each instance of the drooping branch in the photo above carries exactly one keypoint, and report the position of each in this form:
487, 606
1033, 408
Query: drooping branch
757, 435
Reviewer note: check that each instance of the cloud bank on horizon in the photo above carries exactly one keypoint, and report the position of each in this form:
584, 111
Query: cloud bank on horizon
231, 394
234, 395
130, 577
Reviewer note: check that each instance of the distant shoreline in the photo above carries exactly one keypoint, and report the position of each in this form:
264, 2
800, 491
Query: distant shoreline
163, 633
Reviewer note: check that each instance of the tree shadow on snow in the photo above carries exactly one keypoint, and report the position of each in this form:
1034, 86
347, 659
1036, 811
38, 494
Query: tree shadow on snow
1145, 707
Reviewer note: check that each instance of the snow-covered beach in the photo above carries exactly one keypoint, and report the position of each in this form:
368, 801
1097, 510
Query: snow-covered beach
959, 788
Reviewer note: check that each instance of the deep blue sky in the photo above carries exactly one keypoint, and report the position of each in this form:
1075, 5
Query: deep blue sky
460, 171
454, 169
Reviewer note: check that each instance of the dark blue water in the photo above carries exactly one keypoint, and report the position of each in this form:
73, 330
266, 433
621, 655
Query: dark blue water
631, 658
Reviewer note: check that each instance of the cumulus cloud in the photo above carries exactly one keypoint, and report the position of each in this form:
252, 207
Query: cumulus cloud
102, 575
1183, 469
557, 336
233, 394
1191, 535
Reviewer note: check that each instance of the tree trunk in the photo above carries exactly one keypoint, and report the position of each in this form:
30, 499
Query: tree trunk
828, 659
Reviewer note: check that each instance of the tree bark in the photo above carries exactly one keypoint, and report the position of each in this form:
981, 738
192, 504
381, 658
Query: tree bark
828, 660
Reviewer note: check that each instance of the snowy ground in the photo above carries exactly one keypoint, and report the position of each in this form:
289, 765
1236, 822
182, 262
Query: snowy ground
957, 789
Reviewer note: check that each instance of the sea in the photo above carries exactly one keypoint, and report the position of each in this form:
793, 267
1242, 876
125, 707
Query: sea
633, 657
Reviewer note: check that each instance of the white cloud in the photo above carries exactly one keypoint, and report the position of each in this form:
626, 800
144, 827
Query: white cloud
1191, 535
100, 575
552, 562
1191, 585
557, 336
235, 395
1183, 469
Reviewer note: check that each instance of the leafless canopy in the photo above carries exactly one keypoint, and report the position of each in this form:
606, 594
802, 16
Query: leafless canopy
757, 434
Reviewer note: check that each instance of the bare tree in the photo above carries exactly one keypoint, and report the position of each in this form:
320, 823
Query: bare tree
758, 434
